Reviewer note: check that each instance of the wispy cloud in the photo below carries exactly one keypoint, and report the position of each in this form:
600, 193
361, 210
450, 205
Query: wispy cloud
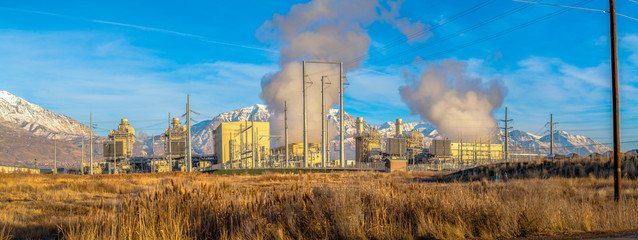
144, 28
74, 73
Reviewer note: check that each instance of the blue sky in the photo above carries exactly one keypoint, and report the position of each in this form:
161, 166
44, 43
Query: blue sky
139, 59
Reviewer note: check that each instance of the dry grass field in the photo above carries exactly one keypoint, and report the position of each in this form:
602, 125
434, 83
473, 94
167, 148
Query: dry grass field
342, 205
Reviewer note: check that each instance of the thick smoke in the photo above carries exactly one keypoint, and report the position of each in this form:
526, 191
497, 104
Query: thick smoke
459, 105
321, 30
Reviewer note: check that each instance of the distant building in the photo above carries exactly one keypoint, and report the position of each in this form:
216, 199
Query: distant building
467, 151
118, 148
176, 138
295, 155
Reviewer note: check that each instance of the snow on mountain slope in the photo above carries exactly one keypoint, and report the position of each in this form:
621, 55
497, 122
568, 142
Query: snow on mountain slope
15, 111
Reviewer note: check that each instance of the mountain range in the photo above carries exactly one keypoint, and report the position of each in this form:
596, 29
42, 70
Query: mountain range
27, 133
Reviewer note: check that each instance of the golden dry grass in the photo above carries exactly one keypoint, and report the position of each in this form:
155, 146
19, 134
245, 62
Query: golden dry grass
346, 205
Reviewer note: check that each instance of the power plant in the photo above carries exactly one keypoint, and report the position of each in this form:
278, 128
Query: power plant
247, 145
118, 148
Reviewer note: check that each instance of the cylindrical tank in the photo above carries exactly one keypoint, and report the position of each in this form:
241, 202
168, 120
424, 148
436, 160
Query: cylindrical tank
124, 121
399, 127
359, 125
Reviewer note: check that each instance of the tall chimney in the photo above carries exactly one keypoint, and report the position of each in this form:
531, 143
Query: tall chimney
399, 127
175, 123
359, 126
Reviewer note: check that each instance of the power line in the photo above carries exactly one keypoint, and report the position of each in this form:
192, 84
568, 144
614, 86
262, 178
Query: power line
456, 34
564, 6
498, 34
623, 15
581, 8
420, 33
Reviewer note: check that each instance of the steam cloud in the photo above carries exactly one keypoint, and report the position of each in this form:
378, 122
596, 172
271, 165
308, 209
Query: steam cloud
323, 30
459, 105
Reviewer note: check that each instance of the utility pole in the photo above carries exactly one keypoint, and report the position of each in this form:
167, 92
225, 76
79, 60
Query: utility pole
189, 157
55, 154
82, 161
305, 114
305, 118
506, 129
551, 134
323, 122
168, 142
252, 141
153, 154
551, 124
286, 131
615, 99
91, 143
246, 146
342, 158
616, 104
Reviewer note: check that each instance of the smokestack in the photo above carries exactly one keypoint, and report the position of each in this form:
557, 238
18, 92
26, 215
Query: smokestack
175, 123
399, 127
359, 126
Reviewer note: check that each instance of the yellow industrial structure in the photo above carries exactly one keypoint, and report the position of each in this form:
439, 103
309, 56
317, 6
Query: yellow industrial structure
243, 144
467, 151
175, 138
118, 148
295, 155
404, 145
368, 144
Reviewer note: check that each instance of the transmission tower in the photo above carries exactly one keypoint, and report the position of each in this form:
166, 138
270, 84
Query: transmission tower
506, 129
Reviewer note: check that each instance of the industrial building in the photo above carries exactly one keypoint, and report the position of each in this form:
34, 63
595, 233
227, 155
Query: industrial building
405, 146
243, 144
118, 148
368, 144
476, 152
295, 155
176, 139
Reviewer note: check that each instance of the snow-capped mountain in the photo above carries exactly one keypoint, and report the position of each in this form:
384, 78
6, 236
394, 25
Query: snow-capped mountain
564, 143
202, 132
15, 111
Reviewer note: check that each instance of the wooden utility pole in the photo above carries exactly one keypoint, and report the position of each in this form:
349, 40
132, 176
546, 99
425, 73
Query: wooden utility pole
614, 87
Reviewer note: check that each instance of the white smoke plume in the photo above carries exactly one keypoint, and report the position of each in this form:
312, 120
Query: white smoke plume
459, 105
321, 30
